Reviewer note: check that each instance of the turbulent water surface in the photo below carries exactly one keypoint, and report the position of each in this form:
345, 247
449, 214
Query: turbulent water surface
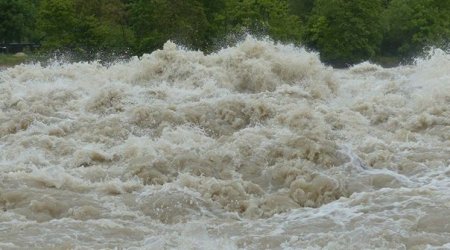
258, 146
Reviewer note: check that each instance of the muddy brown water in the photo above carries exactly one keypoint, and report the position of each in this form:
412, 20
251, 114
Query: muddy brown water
258, 146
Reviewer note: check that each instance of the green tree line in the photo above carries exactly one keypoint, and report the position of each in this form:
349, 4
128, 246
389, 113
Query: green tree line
343, 31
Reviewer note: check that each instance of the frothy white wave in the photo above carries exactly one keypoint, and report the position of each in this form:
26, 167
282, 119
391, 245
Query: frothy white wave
256, 146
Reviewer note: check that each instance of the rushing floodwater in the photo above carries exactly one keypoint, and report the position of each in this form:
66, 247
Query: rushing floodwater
258, 146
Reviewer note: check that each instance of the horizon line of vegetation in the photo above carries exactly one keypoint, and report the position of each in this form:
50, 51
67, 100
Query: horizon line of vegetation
387, 32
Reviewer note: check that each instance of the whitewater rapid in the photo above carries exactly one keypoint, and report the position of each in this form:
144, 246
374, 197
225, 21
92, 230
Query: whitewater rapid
257, 146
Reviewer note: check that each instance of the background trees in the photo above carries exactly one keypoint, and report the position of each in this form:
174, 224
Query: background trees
301, 8
343, 31
16, 20
409, 25
156, 21
260, 17
84, 24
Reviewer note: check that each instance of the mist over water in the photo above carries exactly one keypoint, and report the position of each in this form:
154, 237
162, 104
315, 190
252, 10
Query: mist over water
258, 146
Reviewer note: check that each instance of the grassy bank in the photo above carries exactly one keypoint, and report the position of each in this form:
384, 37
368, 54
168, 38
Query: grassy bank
8, 60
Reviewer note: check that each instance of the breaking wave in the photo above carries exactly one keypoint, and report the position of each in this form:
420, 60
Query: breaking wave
256, 146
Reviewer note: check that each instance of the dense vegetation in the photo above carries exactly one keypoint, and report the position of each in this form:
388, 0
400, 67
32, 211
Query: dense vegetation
343, 31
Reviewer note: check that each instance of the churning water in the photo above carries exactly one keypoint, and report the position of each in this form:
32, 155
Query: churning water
258, 146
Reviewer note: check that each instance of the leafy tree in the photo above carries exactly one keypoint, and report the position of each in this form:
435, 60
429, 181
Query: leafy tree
94, 25
57, 20
412, 24
16, 20
345, 31
109, 19
264, 17
213, 35
301, 8
156, 21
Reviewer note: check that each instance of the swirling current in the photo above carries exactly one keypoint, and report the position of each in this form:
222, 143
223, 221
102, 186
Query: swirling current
256, 146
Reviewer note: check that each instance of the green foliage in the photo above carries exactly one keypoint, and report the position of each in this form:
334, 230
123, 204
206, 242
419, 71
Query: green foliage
301, 8
11, 60
412, 24
109, 19
16, 20
58, 22
345, 32
260, 17
89, 25
156, 21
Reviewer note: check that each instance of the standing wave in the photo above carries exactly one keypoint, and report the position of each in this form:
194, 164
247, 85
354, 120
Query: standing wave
255, 146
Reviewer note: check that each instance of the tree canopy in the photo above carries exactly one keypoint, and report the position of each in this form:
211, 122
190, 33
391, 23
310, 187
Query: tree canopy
156, 21
412, 24
16, 20
343, 31
264, 17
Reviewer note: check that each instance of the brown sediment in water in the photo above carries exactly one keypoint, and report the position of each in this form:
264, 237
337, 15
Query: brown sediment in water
256, 146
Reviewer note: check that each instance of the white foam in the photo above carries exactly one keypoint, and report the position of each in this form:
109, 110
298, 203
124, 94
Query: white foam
257, 146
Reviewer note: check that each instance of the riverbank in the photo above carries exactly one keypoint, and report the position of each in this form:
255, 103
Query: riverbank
10, 60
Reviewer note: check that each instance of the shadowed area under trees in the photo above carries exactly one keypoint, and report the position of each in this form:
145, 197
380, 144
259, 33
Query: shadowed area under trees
344, 32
